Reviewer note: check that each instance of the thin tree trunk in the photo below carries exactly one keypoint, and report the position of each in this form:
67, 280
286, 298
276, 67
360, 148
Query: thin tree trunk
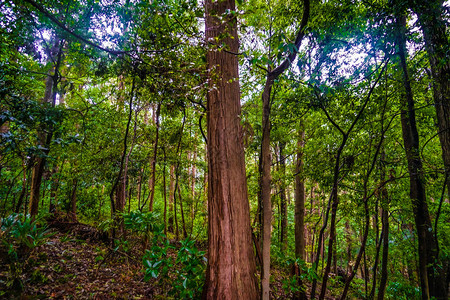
430, 272
73, 201
283, 204
334, 196
177, 175
432, 17
265, 177
155, 152
378, 241
119, 179
170, 227
139, 187
348, 233
183, 222
44, 139
165, 191
300, 208
24, 190
384, 261
123, 194
265, 194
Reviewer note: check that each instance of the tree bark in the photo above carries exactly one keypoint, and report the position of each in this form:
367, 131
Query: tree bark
231, 268
300, 208
73, 201
265, 177
385, 254
430, 272
155, 152
434, 28
165, 191
283, 204
170, 226
44, 139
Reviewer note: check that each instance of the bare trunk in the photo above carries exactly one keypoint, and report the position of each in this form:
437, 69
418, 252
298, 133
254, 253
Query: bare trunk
44, 139
432, 20
300, 208
231, 269
283, 200
384, 260
155, 152
384, 234
177, 174
165, 193
24, 190
430, 272
265, 187
73, 201
183, 222
171, 198
265, 176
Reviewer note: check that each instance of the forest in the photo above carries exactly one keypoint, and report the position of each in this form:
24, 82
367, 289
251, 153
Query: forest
222, 149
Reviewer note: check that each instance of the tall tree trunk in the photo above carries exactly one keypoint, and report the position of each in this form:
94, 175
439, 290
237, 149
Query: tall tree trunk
183, 222
165, 191
193, 180
432, 18
334, 200
348, 237
433, 22
139, 187
265, 177
300, 208
384, 261
119, 181
125, 186
177, 176
265, 191
24, 190
283, 204
231, 268
378, 241
155, 152
170, 227
44, 139
73, 201
430, 271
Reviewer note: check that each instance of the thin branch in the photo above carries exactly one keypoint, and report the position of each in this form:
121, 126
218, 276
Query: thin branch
85, 40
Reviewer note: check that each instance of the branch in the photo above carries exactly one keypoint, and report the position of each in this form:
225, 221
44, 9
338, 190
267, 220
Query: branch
85, 40
298, 40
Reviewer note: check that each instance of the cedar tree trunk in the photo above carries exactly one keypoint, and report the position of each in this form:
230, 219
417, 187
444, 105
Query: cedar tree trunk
231, 268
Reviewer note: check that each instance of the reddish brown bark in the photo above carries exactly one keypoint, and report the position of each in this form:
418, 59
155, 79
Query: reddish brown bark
231, 266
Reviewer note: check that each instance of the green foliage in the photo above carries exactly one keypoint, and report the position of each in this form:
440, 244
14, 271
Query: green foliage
403, 291
20, 235
20, 231
156, 260
188, 267
140, 222
190, 278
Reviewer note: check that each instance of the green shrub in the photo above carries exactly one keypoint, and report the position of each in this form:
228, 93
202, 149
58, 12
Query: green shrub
190, 270
398, 290
20, 235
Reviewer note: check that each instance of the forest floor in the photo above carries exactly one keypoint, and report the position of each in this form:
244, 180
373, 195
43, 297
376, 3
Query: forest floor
75, 263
